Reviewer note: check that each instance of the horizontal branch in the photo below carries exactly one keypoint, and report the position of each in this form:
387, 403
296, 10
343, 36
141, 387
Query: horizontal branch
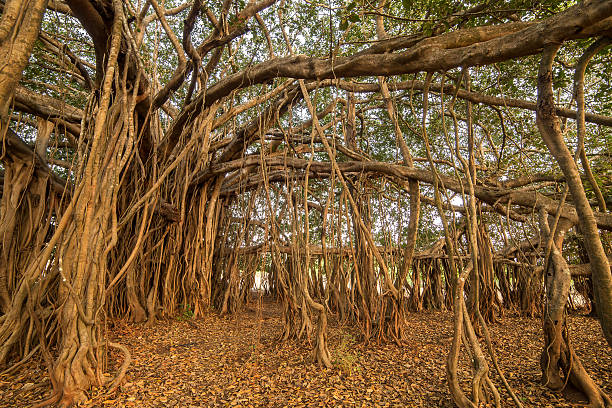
48, 108
15, 149
496, 196
585, 269
461, 48
314, 250
471, 96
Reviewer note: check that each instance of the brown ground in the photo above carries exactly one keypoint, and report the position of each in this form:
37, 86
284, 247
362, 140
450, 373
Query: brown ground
236, 361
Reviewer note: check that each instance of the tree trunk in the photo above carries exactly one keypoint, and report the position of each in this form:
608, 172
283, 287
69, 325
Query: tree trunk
548, 124
558, 361
19, 29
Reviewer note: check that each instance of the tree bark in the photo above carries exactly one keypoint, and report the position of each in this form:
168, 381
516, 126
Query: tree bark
19, 29
550, 130
559, 362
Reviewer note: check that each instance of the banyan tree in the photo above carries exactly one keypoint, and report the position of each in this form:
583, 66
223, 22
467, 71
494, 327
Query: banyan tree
355, 160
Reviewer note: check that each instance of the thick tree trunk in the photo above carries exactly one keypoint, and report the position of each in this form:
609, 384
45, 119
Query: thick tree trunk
19, 27
90, 235
548, 124
559, 362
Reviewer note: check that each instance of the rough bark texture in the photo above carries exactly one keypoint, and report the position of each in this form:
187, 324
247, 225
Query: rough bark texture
549, 127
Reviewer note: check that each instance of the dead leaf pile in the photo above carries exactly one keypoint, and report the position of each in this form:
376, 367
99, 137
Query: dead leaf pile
238, 362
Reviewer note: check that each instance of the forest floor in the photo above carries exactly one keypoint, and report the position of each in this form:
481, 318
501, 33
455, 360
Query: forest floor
238, 362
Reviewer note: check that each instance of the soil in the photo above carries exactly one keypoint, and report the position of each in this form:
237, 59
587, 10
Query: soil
237, 362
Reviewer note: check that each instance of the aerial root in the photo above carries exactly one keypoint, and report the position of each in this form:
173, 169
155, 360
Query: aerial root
127, 359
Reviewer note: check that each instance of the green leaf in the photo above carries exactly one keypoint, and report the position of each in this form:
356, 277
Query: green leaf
343, 24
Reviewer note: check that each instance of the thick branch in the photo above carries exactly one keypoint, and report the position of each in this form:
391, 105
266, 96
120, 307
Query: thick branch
494, 196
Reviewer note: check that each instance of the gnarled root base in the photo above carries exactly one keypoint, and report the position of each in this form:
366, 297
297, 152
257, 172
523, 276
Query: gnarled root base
560, 364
